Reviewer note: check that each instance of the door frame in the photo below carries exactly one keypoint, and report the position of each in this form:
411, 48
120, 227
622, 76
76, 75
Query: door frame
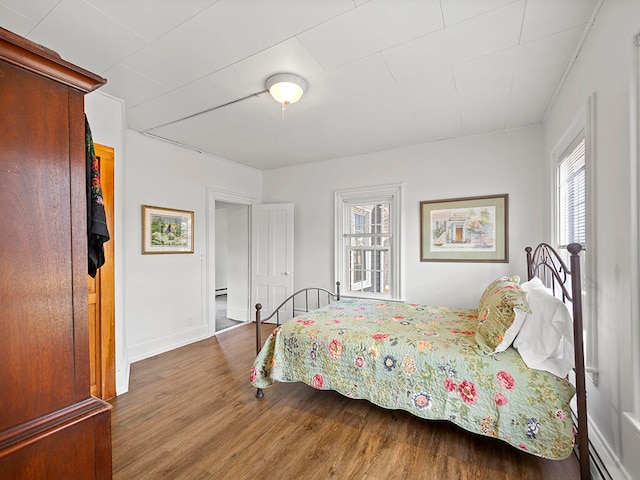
106, 333
209, 294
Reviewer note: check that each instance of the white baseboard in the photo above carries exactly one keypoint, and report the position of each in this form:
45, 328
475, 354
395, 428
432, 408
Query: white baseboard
122, 379
605, 465
631, 445
161, 345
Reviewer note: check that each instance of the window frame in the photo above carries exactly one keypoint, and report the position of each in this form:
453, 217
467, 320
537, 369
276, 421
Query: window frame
343, 199
582, 126
561, 241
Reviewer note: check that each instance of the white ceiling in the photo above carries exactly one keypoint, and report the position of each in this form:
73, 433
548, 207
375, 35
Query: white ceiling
380, 73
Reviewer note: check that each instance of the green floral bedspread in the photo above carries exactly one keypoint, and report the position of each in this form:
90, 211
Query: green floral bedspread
422, 359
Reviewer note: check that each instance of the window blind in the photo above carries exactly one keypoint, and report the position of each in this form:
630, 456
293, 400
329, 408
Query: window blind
572, 197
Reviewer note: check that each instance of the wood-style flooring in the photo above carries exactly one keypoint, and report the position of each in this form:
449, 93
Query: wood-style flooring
191, 414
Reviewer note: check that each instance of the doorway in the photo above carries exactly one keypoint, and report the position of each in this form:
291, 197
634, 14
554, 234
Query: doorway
228, 257
231, 264
258, 262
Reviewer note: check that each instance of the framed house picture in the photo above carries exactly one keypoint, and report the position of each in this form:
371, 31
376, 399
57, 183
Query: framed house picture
166, 230
470, 229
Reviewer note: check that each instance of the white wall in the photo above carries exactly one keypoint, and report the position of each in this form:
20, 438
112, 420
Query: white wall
167, 294
238, 263
232, 257
603, 68
222, 246
161, 300
509, 162
107, 121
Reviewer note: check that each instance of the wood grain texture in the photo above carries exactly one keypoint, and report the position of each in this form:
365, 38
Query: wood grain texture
191, 413
107, 278
50, 426
43, 61
102, 294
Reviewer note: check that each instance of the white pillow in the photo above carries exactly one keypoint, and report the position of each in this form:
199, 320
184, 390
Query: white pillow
512, 331
545, 340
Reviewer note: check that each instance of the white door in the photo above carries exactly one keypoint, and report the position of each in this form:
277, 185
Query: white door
271, 255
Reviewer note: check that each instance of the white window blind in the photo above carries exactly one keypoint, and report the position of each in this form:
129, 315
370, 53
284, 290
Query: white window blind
572, 196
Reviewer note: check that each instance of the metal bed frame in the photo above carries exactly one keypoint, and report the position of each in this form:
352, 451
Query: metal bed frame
543, 262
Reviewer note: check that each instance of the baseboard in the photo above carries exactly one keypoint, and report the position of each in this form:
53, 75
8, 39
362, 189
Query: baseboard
631, 445
122, 379
604, 464
161, 345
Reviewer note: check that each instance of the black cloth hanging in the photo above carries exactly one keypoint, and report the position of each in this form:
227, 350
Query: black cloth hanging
97, 231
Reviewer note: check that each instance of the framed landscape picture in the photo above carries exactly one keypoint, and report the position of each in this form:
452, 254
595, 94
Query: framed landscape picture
470, 229
166, 230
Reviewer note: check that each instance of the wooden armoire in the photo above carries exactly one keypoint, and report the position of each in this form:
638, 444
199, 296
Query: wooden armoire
50, 425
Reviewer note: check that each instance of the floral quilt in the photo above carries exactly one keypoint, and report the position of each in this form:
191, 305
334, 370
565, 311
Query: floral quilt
422, 359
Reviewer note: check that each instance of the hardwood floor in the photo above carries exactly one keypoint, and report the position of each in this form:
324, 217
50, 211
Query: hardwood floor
191, 414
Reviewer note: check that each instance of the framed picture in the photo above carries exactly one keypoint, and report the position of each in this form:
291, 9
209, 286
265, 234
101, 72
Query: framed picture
166, 230
471, 229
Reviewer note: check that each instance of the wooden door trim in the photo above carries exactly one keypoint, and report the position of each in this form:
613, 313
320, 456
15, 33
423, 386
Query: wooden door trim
107, 279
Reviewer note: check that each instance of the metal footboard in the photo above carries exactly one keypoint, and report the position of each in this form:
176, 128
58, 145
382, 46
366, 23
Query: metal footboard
306, 299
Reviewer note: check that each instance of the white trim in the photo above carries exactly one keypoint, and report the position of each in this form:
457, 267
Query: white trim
605, 456
591, 266
634, 254
583, 124
157, 346
213, 195
630, 439
341, 224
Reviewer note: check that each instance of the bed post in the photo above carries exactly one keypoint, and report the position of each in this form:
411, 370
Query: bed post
581, 391
338, 291
259, 392
258, 332
529, 263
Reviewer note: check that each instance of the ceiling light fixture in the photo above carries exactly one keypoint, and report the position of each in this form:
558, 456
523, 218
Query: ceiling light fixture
286, 88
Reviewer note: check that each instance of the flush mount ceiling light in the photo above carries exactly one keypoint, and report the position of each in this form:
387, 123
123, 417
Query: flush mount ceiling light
286, 88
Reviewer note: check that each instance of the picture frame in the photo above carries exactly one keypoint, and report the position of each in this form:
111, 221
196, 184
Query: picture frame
166, 230
467, 229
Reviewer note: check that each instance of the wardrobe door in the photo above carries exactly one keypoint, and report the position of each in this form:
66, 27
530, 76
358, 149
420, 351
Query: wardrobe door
36, 289
50, 426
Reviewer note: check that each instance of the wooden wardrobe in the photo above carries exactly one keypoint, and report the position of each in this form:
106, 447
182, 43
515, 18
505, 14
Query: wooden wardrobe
50, 425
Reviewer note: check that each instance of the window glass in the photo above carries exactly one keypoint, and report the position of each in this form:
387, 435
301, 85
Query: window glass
572, 196
365, 253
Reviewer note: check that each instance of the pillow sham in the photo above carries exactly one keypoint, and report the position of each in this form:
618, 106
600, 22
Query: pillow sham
501, 312
545, 340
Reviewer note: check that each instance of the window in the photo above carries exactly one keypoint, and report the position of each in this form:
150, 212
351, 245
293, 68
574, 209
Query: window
572, 212
575, 222
367, 241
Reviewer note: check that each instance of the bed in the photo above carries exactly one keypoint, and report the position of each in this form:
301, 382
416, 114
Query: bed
499, 370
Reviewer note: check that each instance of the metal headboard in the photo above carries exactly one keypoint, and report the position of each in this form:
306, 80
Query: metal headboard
545, 263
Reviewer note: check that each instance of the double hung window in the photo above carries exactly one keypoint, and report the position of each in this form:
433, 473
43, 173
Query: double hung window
573, 224
367, 241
